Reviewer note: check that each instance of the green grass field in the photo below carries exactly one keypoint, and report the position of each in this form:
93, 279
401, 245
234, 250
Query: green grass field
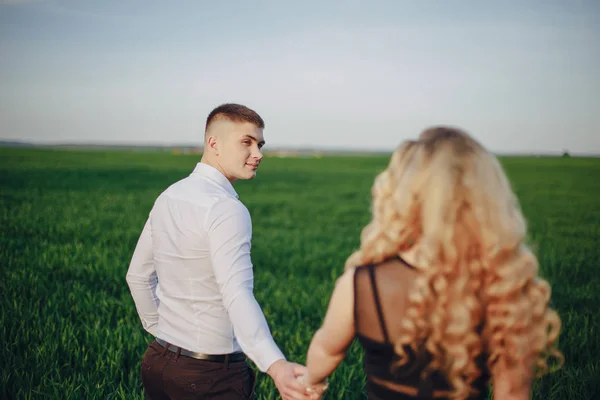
69, 221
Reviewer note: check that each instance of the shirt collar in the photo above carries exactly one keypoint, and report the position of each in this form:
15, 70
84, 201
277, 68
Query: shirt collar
216, 176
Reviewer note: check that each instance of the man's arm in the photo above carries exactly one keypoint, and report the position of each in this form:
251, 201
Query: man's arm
142, 280
229, 230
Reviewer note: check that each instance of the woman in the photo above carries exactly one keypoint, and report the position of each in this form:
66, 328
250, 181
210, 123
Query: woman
443, 293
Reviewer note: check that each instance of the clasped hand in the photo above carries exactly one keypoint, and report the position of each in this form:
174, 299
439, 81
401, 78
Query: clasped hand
290, 381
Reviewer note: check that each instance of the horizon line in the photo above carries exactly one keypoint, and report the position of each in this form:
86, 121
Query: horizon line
195, 148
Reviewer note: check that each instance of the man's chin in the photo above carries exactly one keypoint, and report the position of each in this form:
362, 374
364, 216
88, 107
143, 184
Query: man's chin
248, 176
251, 174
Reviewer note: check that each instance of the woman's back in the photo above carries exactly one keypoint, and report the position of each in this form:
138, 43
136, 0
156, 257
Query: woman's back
381, 300
474, 300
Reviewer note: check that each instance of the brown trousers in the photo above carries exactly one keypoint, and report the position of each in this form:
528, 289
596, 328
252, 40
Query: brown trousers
169, 376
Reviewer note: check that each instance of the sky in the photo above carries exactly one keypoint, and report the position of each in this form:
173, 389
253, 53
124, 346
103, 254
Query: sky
520, 76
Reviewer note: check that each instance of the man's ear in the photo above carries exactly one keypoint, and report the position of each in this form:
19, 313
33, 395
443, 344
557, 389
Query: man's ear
212, 143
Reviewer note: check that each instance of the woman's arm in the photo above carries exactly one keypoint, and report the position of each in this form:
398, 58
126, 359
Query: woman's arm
329, 344
514, 383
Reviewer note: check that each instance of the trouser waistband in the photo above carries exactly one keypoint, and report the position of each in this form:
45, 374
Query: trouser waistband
226, 358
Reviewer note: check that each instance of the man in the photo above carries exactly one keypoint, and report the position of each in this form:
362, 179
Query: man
191, 277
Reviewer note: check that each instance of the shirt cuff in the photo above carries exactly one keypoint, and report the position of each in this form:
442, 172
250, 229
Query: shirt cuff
265, 354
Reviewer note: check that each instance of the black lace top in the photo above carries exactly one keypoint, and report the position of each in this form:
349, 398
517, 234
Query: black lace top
378, 291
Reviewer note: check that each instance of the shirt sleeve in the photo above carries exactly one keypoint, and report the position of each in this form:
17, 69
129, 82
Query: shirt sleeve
142, 280
229, 230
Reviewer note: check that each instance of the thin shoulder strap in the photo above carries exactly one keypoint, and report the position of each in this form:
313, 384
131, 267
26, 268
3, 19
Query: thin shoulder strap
378, 303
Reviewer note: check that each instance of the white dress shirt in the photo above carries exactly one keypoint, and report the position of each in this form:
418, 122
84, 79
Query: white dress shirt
191, 274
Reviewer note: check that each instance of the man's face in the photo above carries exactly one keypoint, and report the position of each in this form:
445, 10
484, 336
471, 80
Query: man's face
240, 151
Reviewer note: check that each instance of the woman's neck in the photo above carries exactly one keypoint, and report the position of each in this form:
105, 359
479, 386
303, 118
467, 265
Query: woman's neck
410, 256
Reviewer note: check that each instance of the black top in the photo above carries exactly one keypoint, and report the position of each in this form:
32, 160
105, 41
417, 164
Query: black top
371, 304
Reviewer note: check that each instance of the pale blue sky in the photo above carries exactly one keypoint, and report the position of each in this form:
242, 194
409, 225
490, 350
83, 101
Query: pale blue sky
519, 75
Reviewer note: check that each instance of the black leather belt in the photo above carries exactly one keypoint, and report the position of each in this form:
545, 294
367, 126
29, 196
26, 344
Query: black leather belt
232, 357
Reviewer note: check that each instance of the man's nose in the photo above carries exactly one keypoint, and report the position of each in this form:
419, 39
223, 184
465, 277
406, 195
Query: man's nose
258, 155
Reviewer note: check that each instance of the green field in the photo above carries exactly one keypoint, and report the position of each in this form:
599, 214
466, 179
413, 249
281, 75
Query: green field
70, 220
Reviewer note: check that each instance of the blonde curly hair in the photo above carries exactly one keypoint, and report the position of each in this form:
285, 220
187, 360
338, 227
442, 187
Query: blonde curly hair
478, 289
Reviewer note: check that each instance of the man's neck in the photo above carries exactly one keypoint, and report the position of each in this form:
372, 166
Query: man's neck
215, 164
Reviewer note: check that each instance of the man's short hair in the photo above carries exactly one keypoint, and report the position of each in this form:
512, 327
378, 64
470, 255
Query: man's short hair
235, 113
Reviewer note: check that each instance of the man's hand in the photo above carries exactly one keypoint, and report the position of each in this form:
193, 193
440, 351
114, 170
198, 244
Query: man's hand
285, 376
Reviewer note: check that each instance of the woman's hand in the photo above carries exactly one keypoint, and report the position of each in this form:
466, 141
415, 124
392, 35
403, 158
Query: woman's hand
314, 389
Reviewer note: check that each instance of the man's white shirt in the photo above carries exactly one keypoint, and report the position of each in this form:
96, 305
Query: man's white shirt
191, 275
